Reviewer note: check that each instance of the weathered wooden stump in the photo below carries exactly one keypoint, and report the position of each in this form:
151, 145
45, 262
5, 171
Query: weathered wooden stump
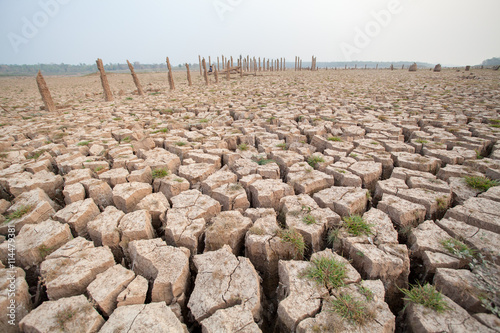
437, 68
216, 74
44, 91
228, 71
199, 59
136, 79
413, 68
467, 68
170, 76
189, 75
108, 96
205, 75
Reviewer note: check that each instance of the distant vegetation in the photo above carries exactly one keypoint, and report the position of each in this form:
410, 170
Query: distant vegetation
491, 62
81, 69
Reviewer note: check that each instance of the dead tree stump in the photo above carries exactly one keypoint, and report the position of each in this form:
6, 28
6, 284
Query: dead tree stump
189, 75
205, 75
170, 76
108, 96
228, 71
44, 91
136, 79
199, 59
216, 74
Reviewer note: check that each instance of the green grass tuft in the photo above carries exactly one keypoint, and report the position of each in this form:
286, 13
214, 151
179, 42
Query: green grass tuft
309, 219
352, 310
18, 213
294, 238
427, 296
243, 147
356, 225
335, 138
327, 272
314, 160
480, 183
160, 173
459, 249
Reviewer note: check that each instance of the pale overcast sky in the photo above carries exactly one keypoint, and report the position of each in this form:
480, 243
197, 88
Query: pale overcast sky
451, 32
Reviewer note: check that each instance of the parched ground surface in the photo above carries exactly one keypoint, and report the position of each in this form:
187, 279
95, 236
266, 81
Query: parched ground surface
203, 208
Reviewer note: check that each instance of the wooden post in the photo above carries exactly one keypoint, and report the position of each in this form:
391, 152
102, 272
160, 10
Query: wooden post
189, 75
248, 63
218, 68
108, 96
284, 64
231, 61
170, 76
241, 67
136, 79
199, 60
209, 61
300, 66
260, 68
44, 91
228, 71
205, 75
216, 74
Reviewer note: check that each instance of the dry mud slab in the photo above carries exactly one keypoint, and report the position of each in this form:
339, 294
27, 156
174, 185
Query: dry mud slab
282, 202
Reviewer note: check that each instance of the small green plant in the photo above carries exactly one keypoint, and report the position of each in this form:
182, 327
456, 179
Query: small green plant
480, 183
421, 141
180, 143
354, 311
309, 219
166, 111
441, 203
36, 155
235, 187
256, 231
356, 225
353, 155
159, 173
45, 251
327, 272
281, 145
83, 143
264, 161
203, 121
179, 180
63, 316
294, 238
366, 292
164, 130
99, 168
243, 147
314, 160
459, 249
18, 213
126, 139
333, 235
129, 98
383, 118
117, 118
427, 296
335, 138
478, 155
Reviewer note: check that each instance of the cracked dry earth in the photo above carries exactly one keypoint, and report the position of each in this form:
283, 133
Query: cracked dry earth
208, 208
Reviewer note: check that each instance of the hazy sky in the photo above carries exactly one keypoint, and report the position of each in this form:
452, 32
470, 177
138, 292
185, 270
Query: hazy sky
451, 32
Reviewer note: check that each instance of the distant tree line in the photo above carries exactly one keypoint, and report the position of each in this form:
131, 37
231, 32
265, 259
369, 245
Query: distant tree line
491, 62
80, 69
